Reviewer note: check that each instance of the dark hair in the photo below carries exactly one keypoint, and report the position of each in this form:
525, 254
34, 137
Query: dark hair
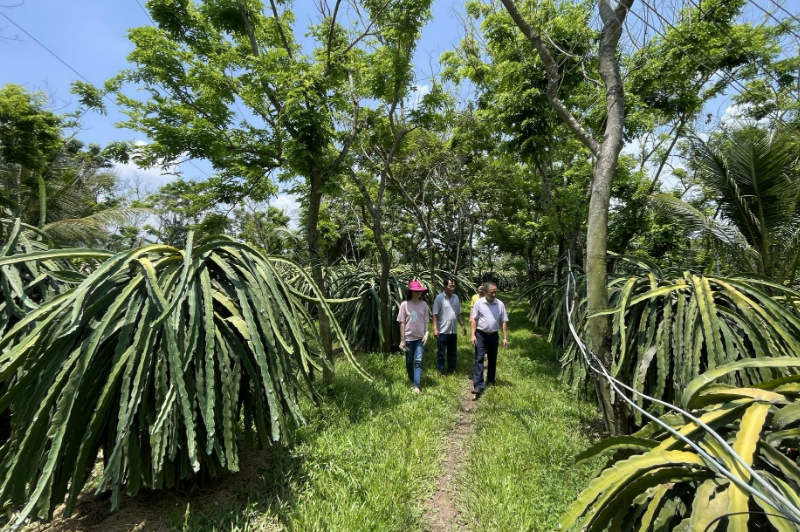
448, 280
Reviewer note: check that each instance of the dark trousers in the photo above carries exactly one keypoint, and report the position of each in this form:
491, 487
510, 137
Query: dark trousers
448, 342
486, 345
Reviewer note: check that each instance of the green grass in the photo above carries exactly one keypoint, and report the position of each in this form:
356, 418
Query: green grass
367, 460
520, 472
370, 455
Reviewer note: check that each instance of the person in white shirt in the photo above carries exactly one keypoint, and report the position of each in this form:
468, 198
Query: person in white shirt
446, 314
487, 319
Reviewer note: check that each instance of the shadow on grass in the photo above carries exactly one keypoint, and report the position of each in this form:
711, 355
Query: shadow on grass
265, 485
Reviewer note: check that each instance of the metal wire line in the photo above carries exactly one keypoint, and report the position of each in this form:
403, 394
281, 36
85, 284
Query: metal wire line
727, 77
105, 95
783, 505
739, 44
773, 17
776, 4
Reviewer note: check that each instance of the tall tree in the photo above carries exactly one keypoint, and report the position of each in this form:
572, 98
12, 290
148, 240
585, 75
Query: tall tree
230, 82
605, 145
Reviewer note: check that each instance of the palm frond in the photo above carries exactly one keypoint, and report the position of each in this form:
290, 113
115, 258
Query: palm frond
96, 228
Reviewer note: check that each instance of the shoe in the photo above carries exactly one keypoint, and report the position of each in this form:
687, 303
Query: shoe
476, 392
416, 390
442, 374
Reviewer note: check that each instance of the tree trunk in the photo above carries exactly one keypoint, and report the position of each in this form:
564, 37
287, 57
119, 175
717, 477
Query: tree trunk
426, 226
459, 243
607, 154
597, 223
383, 291
471, 249
42, 201
314, 203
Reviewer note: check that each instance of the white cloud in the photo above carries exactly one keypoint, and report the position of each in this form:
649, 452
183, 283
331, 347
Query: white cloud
145, 179
733, 113
290, 206
416, 95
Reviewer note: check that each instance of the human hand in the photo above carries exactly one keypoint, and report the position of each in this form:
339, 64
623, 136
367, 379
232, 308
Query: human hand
435, 332
425, 339
474, 340
505, 343
464, 330
402, 345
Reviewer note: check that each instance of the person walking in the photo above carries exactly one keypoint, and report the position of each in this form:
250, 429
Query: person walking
413, 317
487, 318
477, 296
446, 313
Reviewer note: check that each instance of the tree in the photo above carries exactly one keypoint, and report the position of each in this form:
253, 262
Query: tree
51, 180
30, 138
203, 62
606, 152
750, 178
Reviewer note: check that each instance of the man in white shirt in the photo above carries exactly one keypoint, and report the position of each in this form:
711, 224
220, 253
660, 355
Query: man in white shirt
487, 318
446, 313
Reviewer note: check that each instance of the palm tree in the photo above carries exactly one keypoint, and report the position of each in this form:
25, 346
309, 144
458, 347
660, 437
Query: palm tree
752, 178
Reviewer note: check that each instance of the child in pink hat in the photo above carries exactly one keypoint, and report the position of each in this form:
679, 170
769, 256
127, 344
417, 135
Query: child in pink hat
413, 317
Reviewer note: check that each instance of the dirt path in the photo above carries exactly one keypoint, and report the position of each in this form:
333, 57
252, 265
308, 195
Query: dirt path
441, 511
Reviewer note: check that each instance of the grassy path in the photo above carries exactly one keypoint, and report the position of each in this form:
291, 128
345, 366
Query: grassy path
372, 457
519, 472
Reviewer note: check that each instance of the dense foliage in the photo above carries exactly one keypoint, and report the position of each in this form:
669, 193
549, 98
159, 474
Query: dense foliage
160, 359
653, 480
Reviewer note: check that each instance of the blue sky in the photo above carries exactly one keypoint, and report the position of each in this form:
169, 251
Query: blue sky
90, 36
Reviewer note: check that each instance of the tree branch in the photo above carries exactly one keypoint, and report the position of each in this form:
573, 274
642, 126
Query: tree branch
552, 79
330, 35
280, 29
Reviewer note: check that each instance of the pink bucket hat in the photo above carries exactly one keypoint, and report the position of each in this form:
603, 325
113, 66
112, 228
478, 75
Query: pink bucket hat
415, 286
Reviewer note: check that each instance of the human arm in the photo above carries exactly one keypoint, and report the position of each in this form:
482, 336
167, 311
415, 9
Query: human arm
473, 326
505, 335
401, 315
427, 319
435, 327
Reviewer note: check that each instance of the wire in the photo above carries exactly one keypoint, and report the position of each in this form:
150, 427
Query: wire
738, 44
776, 4
145, 13
723, 516
773, 17
785, 507
51, 52
727, 77
105, 95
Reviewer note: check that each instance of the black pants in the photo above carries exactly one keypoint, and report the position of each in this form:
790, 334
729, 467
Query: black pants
449, 343
487, 344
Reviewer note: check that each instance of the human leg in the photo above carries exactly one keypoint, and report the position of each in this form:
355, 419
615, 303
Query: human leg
419, 350
492, 343
452, 352
440, 348
480, 352
410, 359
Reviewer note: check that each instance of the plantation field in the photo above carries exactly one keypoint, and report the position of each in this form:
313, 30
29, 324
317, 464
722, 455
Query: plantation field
370, 456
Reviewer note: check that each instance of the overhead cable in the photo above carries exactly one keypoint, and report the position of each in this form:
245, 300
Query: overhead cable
779, 502
105, 95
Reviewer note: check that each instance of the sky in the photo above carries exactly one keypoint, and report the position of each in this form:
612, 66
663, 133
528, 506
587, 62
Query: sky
89, 38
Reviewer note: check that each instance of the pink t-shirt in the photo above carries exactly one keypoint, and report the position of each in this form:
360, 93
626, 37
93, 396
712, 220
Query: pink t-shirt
415, 318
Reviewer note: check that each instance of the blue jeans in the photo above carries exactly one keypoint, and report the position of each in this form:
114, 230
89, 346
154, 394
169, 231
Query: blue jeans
447, 342
414, 351
486, 345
